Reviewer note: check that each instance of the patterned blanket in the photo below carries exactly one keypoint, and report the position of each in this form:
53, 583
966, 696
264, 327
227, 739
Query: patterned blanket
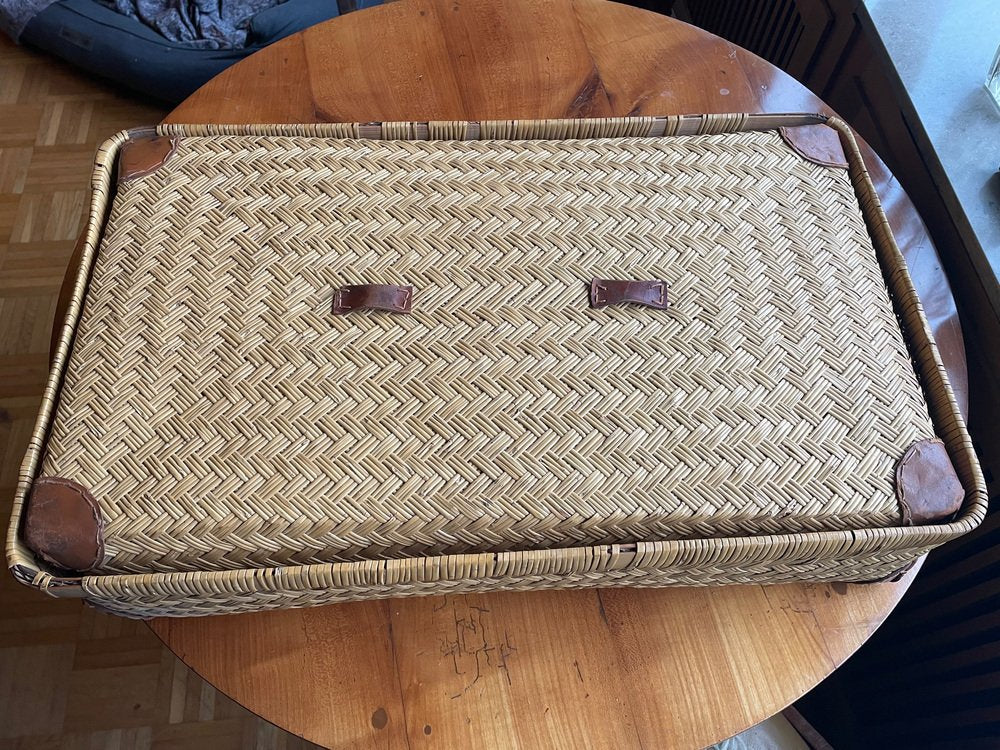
201, 24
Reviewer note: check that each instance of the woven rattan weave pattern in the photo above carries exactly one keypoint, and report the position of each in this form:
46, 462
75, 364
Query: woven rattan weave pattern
311, 586
225, 419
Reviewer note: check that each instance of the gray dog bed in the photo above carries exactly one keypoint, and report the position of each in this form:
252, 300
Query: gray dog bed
161, 48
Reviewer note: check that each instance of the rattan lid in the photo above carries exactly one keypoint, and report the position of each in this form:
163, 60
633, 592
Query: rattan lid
223, 416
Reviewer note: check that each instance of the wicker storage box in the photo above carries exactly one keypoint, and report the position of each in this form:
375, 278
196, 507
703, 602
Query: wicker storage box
308, 364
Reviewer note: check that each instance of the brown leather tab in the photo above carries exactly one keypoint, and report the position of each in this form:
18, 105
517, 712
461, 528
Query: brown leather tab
612, 292
372, 297
927, 487
141, 156
817, 143
63, 525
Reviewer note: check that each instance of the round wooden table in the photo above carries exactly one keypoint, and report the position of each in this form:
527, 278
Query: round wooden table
616, 667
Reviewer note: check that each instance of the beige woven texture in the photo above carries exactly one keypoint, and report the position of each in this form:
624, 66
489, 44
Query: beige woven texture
168, 595
225, 419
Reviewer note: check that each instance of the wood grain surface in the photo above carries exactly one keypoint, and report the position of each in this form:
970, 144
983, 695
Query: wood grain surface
611, 668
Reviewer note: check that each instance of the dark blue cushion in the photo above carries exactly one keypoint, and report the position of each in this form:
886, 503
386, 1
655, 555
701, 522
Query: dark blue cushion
108, 44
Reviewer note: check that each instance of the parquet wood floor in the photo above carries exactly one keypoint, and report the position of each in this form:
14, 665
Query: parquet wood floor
70, 677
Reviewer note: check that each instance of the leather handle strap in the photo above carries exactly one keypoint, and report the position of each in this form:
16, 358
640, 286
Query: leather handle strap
372, 297
398, 299
615, 291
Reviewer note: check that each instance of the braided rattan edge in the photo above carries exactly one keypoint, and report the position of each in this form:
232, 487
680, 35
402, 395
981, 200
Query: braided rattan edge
848, 555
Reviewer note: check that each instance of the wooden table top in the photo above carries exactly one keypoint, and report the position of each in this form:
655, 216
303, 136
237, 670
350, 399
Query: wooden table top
612, 668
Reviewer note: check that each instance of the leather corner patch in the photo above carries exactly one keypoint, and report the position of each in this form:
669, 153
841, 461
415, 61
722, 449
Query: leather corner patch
141, 156
63, 525
819, 144
927, 487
